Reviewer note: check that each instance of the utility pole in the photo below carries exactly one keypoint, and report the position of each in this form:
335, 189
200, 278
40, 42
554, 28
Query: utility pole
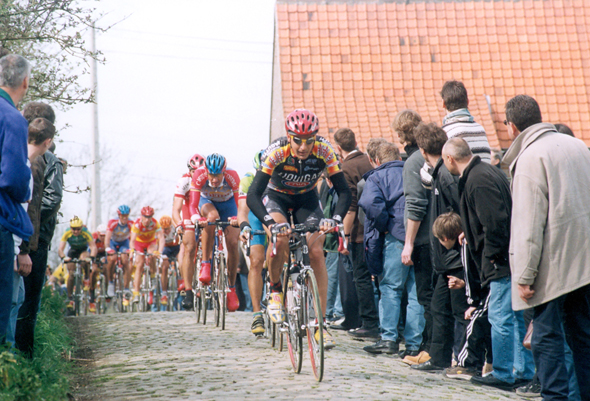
95, 190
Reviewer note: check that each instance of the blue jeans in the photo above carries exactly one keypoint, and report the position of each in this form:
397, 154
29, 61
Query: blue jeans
6, 279
566, 318
395, 279
18, 297
511, 360
334, 305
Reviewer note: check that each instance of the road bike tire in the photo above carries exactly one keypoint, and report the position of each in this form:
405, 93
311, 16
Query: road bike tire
314, 322
215, 291
172, 290
119, 289
198, 302
84, 303
203, 298
280, 338
157, 293
224, 286
102, 303
294, 336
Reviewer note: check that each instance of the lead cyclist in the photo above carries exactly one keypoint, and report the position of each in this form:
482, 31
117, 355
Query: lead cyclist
290, 169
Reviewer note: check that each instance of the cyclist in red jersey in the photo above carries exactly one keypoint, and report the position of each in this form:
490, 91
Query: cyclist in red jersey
214, 195
146, 234
290, 168
181, 217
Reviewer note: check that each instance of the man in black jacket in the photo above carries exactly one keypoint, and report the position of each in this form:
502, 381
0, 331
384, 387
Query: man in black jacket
486, 206
448, 306
51, 190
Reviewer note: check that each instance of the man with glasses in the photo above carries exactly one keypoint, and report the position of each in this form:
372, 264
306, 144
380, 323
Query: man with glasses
80, 240
290, 169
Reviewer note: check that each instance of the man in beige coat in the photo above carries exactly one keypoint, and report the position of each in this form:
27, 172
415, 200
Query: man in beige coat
549, 249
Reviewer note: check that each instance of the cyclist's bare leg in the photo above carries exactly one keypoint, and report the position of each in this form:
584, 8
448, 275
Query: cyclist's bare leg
109, 269
255, 283
126, 269
188, 259
139, 259
207, 234
233, 255
164, 277
318, 264
275, 263
153, 247
70, 281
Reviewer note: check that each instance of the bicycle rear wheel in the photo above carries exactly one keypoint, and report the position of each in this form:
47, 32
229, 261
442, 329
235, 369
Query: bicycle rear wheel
101, 308
314, 324
215, 291
294, 335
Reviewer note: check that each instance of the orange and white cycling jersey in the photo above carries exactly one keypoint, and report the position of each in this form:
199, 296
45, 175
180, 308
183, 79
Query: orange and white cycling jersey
146, 233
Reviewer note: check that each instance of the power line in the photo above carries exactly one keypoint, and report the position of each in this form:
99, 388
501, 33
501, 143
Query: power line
191, 37
187, 58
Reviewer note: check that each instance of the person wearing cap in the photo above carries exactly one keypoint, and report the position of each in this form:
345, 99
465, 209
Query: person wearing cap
99, 240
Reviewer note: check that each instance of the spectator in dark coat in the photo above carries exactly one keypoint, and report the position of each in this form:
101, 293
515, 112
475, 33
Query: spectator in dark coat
448, 306
383, 202
48, 189
486, 207
354, 165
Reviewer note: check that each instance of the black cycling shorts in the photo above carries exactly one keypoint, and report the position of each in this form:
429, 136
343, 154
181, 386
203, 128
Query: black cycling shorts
306, 207
75, 253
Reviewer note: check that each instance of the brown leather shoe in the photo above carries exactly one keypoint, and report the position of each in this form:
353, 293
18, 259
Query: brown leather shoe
418, 359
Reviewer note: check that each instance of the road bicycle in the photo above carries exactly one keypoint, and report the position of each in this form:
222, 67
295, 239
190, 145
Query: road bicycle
119, 283
201, 292
149, 285
81, 287
173, 277
304, 315
219, 281
101, 289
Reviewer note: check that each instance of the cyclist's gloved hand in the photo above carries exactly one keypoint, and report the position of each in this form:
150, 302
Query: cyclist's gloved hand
281, 229
109, 250
202, 222
327, 224
156, 253
245, 233
67, 259
233, 221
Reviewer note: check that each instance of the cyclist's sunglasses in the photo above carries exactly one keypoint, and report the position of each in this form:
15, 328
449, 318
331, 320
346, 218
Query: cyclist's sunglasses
76, 229
307, 141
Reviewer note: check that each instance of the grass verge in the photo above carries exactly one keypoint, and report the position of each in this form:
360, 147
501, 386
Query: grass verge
46, 376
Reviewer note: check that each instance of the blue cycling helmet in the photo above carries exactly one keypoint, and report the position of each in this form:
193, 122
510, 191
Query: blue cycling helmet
123, 209
257, 159
215, 163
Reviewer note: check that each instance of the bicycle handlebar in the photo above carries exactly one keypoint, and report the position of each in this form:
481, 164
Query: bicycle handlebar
252, 233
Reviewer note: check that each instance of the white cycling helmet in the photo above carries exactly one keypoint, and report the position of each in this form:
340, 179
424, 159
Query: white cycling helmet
102, 229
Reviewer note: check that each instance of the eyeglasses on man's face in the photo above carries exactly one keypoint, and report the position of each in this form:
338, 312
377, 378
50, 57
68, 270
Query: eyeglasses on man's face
299, 141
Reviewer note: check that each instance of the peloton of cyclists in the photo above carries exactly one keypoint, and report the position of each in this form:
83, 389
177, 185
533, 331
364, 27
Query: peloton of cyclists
79, 240
290, 169
117, 240
146, 234
214, 195
181, 217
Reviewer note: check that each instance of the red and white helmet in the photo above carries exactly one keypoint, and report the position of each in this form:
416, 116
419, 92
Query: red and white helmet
147, 211
195, 161
302, 122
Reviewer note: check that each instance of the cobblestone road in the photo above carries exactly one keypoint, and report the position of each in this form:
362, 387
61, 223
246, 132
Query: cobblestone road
168, 356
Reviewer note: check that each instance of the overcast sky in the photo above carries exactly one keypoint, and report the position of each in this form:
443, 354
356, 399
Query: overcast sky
181, 77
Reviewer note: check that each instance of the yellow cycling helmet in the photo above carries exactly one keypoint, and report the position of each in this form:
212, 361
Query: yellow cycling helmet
165, 221
76, 222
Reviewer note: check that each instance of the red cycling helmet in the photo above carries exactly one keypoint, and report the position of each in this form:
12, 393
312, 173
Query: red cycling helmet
195, 161
147, 211
302, 122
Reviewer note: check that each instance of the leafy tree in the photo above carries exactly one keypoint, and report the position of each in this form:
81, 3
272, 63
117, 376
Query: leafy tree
49, 33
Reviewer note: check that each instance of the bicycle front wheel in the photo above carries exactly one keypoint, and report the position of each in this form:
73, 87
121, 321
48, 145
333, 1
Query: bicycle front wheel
294, 335
314, 324
223, 287
172, 291
215, 291
77, 295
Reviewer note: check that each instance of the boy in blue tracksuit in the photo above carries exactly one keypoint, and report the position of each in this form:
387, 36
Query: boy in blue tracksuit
383, 202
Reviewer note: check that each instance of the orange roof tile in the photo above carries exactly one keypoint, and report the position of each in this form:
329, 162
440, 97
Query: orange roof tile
365, 62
